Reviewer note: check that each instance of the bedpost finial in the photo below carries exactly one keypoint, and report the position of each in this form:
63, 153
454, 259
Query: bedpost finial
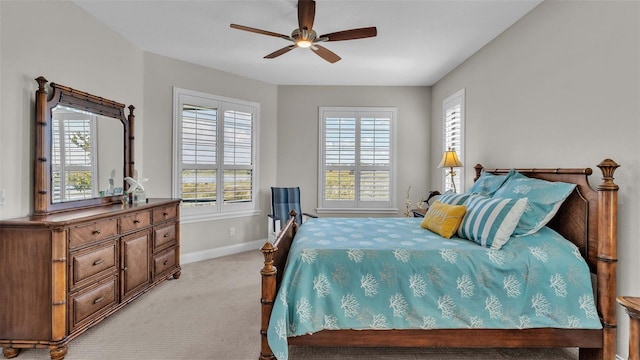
268, 251
608, 167
293, 213
478, 168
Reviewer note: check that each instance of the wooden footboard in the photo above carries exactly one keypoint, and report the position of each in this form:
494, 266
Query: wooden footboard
588, 219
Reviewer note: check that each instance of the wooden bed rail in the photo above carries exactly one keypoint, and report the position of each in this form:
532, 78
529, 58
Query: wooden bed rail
593, 230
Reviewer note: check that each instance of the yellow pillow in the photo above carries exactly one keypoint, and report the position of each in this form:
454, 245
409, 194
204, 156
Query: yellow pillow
443, 219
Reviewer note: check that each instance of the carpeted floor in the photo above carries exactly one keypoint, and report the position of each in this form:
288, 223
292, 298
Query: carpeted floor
213, 312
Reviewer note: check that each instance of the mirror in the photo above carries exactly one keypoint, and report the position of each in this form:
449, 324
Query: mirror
84, 150
86, 155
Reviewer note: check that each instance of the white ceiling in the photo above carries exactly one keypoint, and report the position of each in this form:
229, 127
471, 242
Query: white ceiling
418, 42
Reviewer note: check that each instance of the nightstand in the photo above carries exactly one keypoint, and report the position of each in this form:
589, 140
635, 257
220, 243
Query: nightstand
632, 306
419, 212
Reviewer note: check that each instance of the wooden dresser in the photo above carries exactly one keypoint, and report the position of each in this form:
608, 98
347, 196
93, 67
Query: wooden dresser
62, 273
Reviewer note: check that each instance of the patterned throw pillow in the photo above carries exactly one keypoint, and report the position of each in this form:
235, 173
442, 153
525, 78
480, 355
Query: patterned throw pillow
491, 221
488, 183
443, 219
544, 197
452, 198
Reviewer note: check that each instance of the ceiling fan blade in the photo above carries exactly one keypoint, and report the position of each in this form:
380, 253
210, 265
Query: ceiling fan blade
306, 14
325, 53
277, 53
259, 31
352, 34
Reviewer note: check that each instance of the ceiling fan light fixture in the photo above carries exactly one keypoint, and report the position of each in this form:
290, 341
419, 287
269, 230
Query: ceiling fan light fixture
304, 38
303, 43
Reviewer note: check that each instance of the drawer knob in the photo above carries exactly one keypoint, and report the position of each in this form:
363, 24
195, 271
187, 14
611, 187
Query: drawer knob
167, 235
136, 221
98, 300
165, 214
96, 232
98, 262
165, 262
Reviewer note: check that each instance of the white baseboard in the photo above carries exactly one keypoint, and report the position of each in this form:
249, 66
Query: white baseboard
221, 251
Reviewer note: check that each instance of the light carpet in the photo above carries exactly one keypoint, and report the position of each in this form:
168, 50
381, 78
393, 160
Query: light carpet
213, 312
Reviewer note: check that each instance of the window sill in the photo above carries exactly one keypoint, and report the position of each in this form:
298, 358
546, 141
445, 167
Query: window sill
201, 217
357, 211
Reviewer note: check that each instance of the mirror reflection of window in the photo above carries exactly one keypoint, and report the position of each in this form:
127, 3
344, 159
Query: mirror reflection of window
73, 167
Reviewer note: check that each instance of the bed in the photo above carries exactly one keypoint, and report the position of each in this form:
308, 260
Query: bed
587, 219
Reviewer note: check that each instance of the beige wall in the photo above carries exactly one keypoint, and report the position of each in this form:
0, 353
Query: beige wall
560, 88
61, 42
297, 149
161, 74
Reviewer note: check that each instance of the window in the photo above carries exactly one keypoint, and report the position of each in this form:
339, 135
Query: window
453, 109
214, 155
73, 133
356, 160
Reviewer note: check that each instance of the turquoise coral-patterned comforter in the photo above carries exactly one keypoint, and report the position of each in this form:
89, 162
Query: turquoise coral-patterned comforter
389, 273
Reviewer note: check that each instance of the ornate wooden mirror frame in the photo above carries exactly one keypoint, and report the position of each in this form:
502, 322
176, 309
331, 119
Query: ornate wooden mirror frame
71, 98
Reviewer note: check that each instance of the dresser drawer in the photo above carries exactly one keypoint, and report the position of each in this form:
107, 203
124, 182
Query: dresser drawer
135, 221
91, 301
93, 263
164, 261
92, 232
165, 213
164, 236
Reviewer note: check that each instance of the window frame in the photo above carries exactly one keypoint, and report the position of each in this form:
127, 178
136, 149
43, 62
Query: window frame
455, 99
357, 206
219, 209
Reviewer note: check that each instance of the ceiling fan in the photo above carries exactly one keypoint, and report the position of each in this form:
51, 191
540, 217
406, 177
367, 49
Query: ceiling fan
305, 37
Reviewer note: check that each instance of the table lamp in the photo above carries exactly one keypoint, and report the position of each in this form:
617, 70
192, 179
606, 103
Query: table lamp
450, 160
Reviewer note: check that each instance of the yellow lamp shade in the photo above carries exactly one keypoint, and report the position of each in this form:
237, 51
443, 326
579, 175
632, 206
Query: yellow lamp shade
450, 159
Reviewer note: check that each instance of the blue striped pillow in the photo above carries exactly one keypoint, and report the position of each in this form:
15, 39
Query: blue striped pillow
452, 198
491, 221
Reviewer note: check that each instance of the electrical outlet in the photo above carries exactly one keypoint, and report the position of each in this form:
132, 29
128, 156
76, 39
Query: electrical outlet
1, 198
232, 231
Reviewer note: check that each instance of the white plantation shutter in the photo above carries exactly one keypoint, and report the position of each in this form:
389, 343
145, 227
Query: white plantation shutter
199, 154
238, 156
340, 158
375, 158
356, 148
453, 108
214, 148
